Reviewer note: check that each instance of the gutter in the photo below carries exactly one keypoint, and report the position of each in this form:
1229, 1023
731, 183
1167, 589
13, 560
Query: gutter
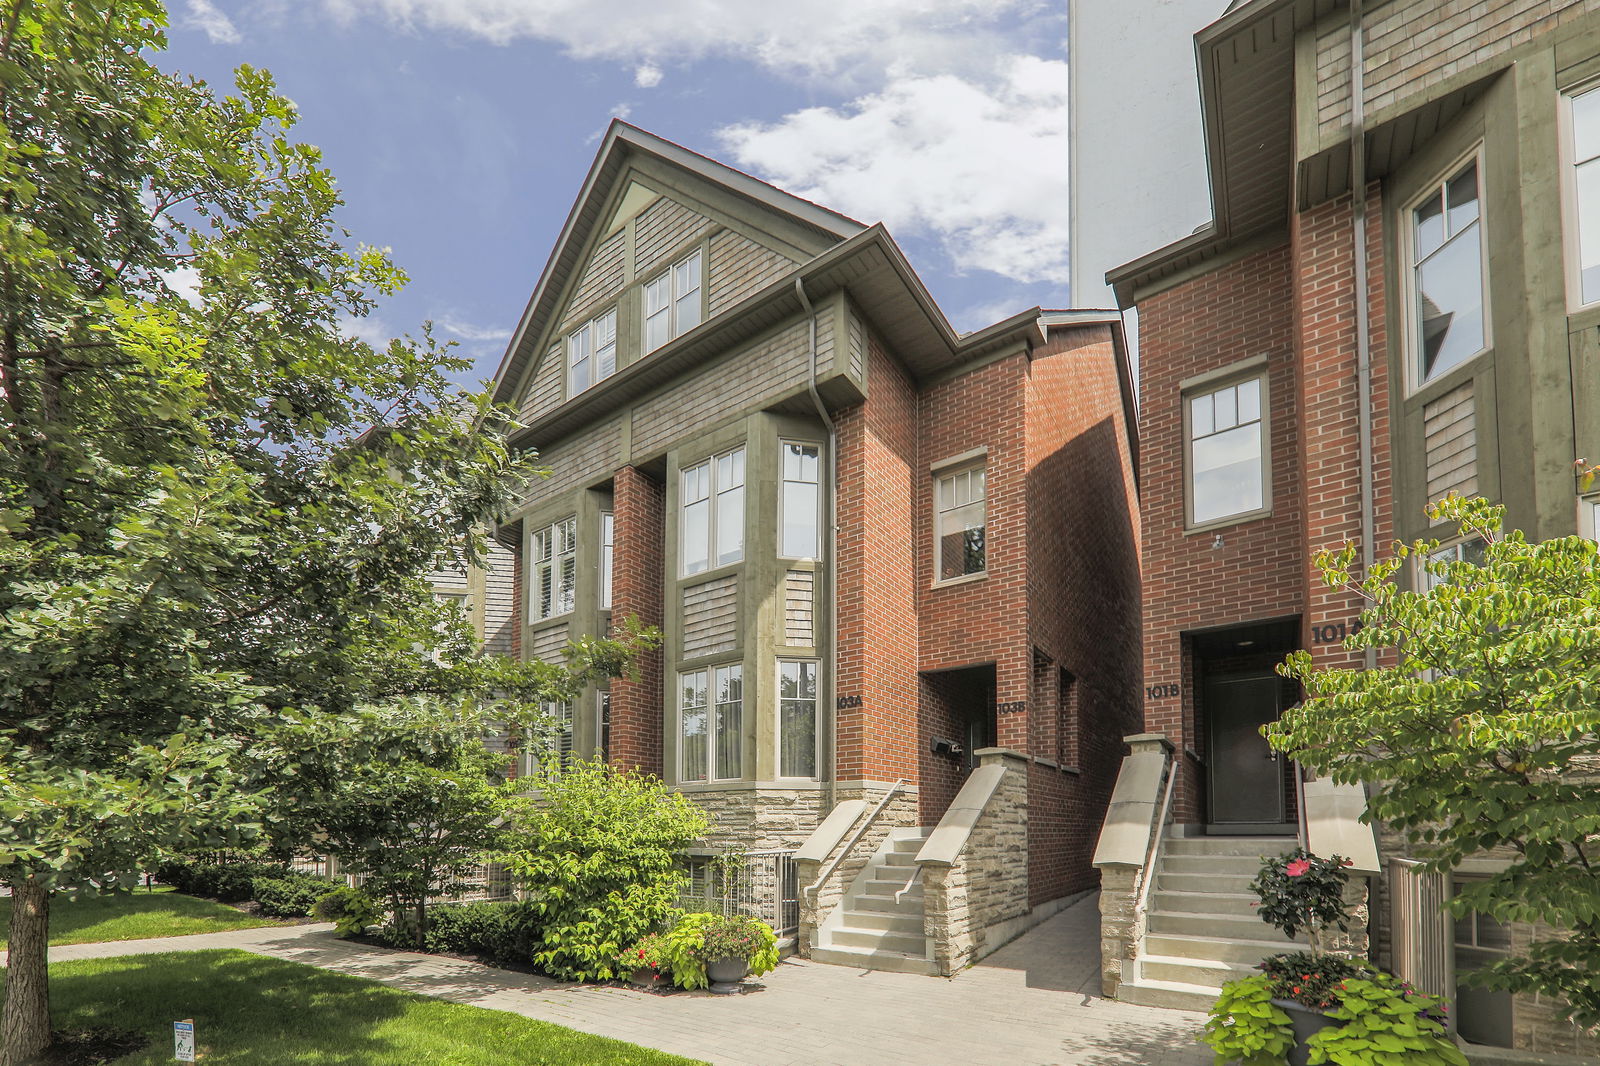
830, 566
1358, 237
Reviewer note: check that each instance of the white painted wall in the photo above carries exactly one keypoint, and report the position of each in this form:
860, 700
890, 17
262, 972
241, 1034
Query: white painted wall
1137, 156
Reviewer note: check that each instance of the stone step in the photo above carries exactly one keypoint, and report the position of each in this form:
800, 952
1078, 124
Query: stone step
1254, 847
906, 845
1246, 866
877, 885
1228, 884
1170, 994
877, 940
1237, 903
886, 904
874, 960
1215, 948
1229, 926
891, 923
904, 860
1203, 973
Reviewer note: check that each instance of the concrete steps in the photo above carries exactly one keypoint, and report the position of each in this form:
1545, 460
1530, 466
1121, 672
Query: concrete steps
878, 926
1202, 929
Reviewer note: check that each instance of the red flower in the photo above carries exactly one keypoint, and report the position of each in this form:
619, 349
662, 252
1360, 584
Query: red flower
1298, 868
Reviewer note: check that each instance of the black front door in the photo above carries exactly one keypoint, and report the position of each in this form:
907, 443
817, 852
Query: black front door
1244, 776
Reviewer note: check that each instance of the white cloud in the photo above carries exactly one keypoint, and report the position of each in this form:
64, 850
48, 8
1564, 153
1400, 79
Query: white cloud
818, 38
185, 281
371, 329
978, 164
205, 16
647, 76
469, 332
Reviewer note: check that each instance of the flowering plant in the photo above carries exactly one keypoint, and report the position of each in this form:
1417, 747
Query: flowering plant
1302, 891
646, 953
701, 938
1313, 980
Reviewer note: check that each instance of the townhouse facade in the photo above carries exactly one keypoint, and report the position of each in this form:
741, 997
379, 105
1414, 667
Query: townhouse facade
894, 567
1396, 300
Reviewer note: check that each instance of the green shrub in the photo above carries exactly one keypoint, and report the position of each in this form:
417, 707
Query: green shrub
701, 938
349, 909
598, 853
291, 896
231, 882
1385, 1021
1245, 1027
499, 932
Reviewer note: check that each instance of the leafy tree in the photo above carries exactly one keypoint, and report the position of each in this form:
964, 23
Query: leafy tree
1480, 731
599, 853
216, 508
425, 805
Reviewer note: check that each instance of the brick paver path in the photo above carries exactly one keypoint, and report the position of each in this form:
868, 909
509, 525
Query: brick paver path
1030, 1004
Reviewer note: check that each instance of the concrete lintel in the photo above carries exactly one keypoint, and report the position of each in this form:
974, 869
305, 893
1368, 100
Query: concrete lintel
1334, 825
1131, 814
1149, 742
946, 842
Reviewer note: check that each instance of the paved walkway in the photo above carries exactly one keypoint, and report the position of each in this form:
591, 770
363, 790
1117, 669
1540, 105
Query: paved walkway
1030, 1004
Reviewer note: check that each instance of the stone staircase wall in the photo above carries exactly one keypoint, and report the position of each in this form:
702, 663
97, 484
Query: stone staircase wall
830, 838
976, 887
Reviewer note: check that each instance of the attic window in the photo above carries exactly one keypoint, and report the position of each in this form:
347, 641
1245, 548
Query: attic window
672, 302
592, 352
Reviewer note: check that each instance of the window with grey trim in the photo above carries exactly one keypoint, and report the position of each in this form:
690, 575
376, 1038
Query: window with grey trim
555, 569
712, 512
602, 723
1227, 452
1585, 177
961, 523
1434, 571
1592, 513
672, 302
551, 745
797, 718
592, 352
1446, 275
710, 719
608, 531
800, 501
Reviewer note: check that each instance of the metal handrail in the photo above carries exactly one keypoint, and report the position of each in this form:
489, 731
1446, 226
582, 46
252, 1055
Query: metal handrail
915, 873
1153, 855
811, 890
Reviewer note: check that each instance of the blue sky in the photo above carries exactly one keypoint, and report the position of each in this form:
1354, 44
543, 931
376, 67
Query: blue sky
461, 130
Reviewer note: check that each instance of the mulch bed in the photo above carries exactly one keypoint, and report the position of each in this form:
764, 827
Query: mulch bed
90, 1047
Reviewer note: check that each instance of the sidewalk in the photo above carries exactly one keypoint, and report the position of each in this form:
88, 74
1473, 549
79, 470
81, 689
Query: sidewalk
1029, 1004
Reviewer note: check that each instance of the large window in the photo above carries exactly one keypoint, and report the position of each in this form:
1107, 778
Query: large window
1584, 181
1227, 452
1447, 275
608, 532
672, 302
713, 512
555, 568
959, 524
797, 718
800, 503
711, 710
592, 352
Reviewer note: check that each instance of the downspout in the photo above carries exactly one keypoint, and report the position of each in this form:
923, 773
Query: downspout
1358, 236
829, 563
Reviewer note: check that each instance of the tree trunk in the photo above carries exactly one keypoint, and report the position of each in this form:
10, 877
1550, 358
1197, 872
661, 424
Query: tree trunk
25, 1017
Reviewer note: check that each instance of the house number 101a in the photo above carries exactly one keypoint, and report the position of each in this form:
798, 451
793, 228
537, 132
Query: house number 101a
1332, 633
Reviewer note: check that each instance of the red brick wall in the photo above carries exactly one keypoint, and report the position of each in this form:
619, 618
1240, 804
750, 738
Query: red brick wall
638, 507
877, 620
1241, 309
1083, 599
1330, 453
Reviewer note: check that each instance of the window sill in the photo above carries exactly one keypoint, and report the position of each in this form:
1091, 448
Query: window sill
802, 783
964, 579
1231, 520
712, 574
535, 623
1450, 379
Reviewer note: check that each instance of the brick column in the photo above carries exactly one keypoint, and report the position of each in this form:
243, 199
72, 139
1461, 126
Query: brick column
639, 513
1329, 409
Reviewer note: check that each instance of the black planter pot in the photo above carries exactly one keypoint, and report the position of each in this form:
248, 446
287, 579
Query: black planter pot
1307, 1022
725, 974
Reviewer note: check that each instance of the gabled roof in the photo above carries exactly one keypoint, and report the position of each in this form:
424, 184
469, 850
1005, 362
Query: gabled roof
622, 144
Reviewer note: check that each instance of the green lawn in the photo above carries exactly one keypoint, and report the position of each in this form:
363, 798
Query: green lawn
89, 919
254, 1011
